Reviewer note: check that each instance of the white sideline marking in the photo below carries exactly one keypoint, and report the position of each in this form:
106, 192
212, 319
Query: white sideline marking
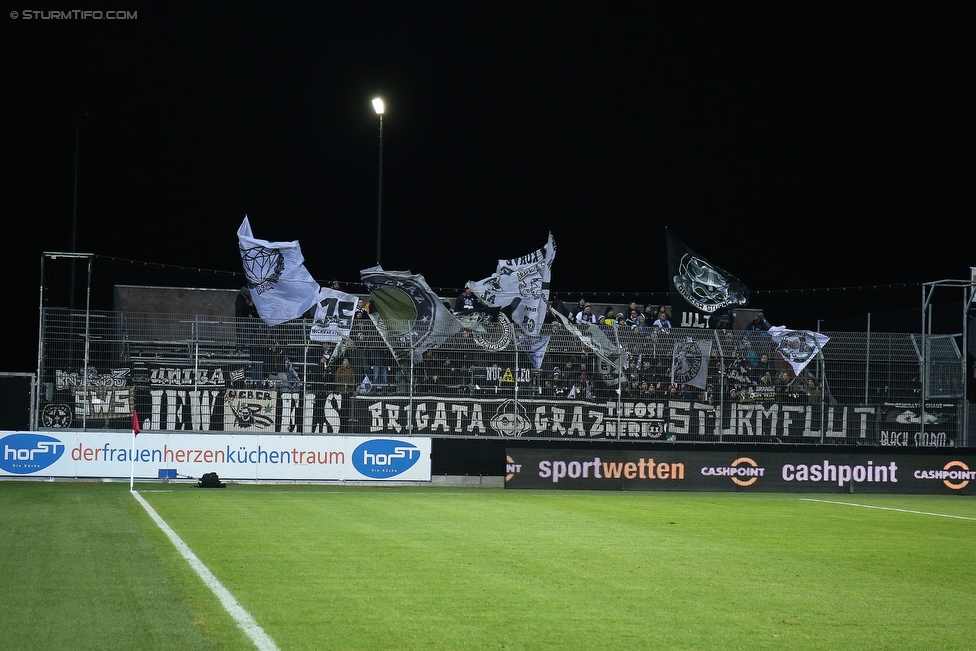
889, 508
243, 618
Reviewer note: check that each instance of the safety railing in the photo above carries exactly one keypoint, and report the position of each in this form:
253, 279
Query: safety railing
486, 379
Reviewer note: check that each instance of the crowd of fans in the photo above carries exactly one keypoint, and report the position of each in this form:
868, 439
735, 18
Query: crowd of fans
638, 364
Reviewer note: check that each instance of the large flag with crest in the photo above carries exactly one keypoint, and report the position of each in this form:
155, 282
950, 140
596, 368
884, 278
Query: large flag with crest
281, 287
408, 314
490, 328
699, 289
521, 285
797, 347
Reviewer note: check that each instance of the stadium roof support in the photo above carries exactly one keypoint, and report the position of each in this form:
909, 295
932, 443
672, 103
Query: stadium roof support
49, 255
968, 288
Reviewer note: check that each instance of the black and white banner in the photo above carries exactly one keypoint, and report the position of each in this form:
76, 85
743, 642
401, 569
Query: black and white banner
699, 289
497, 413
408, 314
333, 315
689, 363
490, 328
534, 347
521, 285
797, 347
681, 420
609, 356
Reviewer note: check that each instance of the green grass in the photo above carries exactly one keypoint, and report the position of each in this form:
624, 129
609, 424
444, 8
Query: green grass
325, 567
82, 567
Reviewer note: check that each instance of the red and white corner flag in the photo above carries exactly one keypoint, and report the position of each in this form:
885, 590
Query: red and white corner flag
135, 423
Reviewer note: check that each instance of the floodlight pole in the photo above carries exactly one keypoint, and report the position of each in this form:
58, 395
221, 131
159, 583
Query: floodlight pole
379, 108
78, 118
74, 217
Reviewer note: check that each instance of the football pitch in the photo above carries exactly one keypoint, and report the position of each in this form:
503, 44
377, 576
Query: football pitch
299, 567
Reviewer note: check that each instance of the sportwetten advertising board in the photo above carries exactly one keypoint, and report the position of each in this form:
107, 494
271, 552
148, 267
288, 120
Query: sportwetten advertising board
784, 472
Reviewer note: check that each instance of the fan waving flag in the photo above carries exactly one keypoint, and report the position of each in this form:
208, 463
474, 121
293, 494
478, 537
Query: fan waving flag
490, 328
699, 289
797, 347
534, 347
521, 285
334, 315
409, 315
610, 358
365, 386
689, 362
281, 287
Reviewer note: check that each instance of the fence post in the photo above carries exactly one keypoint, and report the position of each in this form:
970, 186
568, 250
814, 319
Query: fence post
620, 374
515, 402
867, 361
720, 414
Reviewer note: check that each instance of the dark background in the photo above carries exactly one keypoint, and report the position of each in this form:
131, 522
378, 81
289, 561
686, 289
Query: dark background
802, 148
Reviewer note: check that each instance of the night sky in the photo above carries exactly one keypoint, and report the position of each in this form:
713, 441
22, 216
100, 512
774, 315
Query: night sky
800, 147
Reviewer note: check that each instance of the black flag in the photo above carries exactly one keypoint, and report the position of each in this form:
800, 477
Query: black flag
699, 289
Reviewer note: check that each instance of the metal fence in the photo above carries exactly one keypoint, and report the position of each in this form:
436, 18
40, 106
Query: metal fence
205, 373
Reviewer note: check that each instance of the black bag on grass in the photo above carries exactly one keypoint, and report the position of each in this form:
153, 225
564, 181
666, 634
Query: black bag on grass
210, 480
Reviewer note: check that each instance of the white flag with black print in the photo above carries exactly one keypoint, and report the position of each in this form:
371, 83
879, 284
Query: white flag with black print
364, 387
334, 315
797, 347
521, 285
689, 364
534, 347
281, 287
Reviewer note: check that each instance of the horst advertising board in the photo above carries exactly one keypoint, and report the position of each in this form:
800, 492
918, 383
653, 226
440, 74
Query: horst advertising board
784, 472
232, 456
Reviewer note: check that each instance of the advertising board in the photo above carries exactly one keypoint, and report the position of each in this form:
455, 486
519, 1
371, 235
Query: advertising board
784, 472
231, 456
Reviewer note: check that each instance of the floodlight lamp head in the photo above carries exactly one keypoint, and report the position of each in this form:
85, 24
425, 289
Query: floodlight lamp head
378, 106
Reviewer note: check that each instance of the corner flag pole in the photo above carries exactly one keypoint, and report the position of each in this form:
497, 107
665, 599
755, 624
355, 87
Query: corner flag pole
132, 450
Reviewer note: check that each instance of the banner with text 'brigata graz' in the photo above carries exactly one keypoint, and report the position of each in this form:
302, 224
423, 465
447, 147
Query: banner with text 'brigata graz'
237, 456
875, 471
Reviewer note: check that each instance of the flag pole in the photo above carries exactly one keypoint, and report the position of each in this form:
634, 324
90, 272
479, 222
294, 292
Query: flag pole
132, 462
132, 451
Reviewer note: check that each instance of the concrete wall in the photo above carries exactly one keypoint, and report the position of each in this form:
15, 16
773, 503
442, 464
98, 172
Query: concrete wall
175, 300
